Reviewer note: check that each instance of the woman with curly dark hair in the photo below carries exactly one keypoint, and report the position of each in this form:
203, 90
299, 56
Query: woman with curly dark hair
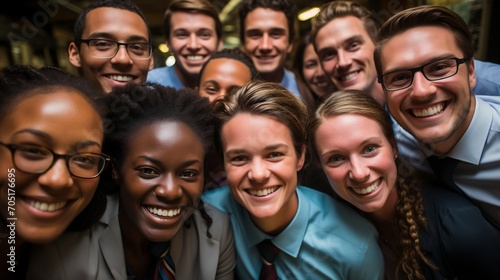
156, 223
425, 230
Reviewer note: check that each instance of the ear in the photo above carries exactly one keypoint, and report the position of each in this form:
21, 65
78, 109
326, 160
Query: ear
289, 48
151, 63
302, 158
220, 46
115, 174
74, 55
472, 73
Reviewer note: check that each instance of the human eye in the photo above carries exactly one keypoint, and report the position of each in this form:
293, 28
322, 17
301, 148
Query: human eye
275, 155
439, 68
327, 55
334, 160
310, 64
370, 149
399, 78
353, 46
253, 34
277, 33
33, 152
138, 48
84, 160
102, 45
239, 160
211, 89
147, 172
205, 34
189, 174
181, 34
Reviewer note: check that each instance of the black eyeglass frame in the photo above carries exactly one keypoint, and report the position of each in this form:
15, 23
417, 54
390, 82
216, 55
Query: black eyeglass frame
421, 70
13, 148
118, 44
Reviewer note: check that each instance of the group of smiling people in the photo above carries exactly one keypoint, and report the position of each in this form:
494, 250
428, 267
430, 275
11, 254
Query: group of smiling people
112, 186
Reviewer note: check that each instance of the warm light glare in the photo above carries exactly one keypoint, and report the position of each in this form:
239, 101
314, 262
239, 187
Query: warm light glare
308, 13
163, 48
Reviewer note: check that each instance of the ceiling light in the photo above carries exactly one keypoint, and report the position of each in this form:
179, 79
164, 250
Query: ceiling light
308, 13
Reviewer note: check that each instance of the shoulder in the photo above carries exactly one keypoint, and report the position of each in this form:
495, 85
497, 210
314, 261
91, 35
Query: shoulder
219, 198
160, 75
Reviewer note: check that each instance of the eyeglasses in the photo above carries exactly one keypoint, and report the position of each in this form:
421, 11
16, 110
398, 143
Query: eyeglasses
102, 48
37, 160
432, 71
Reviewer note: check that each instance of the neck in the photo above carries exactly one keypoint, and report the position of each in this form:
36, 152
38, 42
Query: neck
377, 93
275, 76
383, 219
187, 79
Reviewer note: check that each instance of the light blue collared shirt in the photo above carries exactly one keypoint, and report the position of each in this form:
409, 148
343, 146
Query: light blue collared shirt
325, 240
290, 83
165, 76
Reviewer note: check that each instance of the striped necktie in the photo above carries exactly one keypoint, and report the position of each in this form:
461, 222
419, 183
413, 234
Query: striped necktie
268, 252
165, 268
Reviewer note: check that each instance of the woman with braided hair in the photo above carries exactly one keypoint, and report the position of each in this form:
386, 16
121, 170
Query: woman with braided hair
156, 223
425, 230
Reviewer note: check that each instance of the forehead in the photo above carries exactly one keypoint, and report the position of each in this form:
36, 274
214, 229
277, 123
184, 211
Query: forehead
340, 30
265, 19
227, 67
191, 21
417, 46
118, 23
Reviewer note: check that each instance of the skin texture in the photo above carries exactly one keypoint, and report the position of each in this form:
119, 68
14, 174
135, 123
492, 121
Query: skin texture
346, 53
64, 122
450, 99
221, 75
192, 39
314, 76
121, 26
266, 42
163, 169
259, 155
362, 157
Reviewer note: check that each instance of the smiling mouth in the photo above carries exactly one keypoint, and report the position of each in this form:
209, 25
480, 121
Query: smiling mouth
194, 57
430, 111
262, 192
120, 78
46, 207
367, 190
164, 213
348, 76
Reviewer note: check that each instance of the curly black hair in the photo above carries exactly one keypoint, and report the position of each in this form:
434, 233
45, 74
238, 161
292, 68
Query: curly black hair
132, 107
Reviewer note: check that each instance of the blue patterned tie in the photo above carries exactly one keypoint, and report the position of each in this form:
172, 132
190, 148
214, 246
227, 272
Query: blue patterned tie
165, 268
268, 252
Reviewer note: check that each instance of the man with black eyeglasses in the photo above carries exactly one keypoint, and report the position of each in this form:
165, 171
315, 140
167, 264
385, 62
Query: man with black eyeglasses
112, 44
425, 64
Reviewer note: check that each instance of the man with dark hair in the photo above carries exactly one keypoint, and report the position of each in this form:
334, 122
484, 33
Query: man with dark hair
267, 34
193, 33
100, 31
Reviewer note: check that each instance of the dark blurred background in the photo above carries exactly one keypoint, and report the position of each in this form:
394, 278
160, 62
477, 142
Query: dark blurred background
37, 32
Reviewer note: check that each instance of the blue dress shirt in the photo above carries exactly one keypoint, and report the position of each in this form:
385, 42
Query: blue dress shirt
290, 83
165, 76
325, 240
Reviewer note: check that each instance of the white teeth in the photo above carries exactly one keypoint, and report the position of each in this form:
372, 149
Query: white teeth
368, 189
47, 207
194, 57
263, 192
429, 111
121, 78
164, 212
349, 76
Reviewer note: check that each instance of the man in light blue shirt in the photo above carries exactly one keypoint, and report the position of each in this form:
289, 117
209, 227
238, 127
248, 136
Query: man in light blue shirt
266, 34
427, 84
323, 237
193, 35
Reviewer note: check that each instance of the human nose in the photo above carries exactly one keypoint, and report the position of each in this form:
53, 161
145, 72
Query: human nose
358, 171
57, 176
168, 188
258, 172
265, 42
121, 55
421, 86
193, 42
344, 59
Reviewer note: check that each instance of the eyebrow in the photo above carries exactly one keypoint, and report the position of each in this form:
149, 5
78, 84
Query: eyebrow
109, 36
48, 138
433, 59
267, 148
159, 163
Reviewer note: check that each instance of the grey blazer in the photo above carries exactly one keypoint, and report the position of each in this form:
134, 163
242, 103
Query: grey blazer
97, 253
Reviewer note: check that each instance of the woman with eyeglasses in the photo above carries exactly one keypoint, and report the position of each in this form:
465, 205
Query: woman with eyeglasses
155, 223
50, 160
